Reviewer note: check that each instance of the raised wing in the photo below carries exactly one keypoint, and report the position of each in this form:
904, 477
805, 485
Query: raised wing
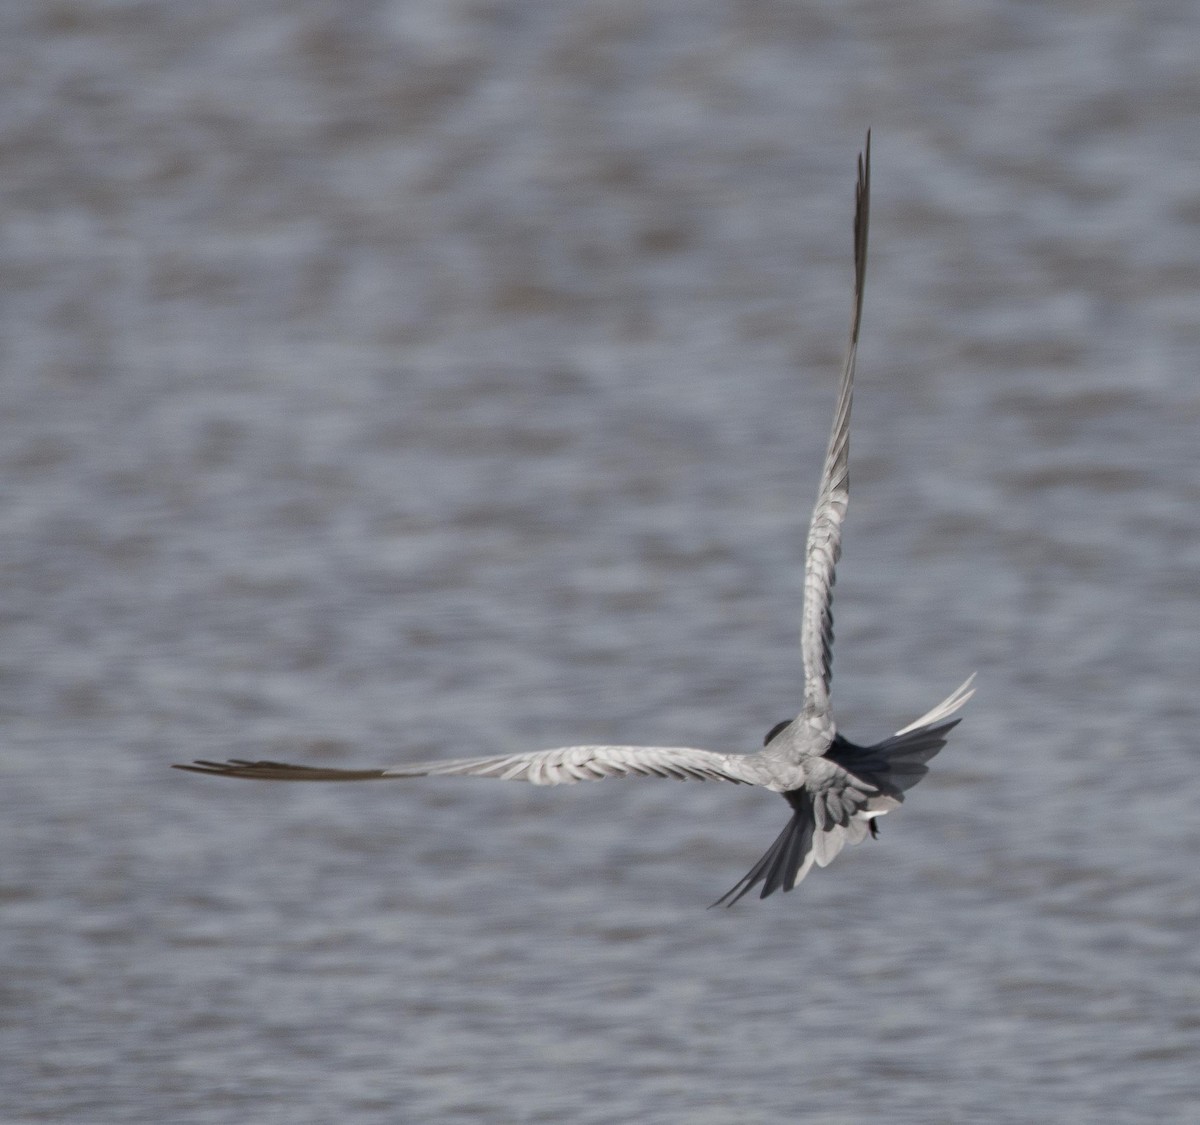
562, 766
825, 530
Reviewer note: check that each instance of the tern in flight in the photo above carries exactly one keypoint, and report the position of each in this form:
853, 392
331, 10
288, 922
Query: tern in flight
835, 788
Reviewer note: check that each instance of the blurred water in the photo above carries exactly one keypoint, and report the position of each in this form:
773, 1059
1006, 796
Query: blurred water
395, 380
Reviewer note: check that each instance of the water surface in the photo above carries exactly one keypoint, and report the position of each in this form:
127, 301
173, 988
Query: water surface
410, 380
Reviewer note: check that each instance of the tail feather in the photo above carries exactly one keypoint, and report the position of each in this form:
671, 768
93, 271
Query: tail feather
788, 860
783, 864
758, 872
777, 868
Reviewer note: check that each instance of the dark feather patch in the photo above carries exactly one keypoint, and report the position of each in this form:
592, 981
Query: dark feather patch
778, 867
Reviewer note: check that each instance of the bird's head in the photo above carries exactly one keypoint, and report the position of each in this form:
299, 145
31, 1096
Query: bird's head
775, 730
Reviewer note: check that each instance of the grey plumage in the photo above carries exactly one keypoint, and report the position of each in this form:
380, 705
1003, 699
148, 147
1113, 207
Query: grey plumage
835, 788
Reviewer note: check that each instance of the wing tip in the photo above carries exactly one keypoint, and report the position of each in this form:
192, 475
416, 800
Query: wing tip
212, 769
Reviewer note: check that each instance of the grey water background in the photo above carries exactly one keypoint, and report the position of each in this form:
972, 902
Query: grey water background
403, 380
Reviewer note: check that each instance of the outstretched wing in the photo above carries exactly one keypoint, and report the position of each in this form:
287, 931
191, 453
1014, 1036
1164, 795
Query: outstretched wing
562, 766
825, 530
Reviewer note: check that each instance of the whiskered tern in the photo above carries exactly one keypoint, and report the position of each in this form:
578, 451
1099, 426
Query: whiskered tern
836, 789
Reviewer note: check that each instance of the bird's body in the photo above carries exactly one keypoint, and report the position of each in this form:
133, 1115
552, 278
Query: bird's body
834, 788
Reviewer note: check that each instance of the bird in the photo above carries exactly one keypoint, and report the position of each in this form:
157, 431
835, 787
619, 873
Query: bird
835, 788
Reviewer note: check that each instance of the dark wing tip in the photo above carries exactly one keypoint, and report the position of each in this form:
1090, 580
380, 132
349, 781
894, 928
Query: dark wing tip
203, 766
862, 215
276, 771
235, 767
